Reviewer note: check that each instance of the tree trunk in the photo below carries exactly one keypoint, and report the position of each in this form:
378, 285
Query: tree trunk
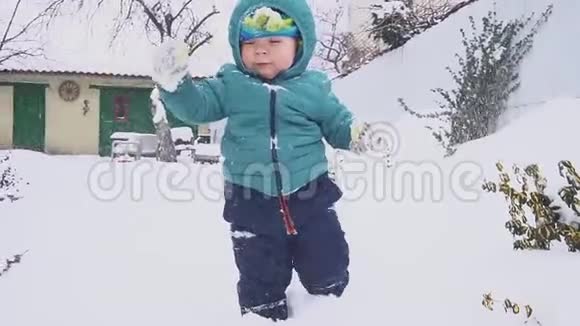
166, 151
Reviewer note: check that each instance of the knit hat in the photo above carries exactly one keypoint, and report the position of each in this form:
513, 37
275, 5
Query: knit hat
302, 17
267, 22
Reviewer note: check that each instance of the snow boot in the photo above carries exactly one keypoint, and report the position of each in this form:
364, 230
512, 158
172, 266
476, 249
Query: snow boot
275, 311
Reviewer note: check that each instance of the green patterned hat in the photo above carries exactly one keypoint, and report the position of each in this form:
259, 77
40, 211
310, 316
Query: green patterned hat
267, 22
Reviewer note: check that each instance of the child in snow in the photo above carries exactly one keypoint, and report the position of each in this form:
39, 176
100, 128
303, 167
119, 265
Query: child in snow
279, 197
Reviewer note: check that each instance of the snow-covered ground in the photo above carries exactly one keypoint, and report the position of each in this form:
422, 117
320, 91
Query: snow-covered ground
149, 254
144, 243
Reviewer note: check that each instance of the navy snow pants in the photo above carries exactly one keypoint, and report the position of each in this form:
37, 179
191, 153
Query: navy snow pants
266, 255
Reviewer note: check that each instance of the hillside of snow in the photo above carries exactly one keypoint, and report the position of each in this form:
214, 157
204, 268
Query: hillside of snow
551, 69
144, 243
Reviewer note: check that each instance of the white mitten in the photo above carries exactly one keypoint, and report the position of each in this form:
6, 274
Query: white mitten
170, 63
369, 138
358, 135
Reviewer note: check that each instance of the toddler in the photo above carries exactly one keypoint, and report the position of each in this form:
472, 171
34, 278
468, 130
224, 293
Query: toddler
279, 198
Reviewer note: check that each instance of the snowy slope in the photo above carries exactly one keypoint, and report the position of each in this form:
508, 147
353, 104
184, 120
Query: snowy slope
551, 69
154, 250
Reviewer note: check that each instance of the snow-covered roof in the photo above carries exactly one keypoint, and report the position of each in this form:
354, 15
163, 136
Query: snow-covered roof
73, 72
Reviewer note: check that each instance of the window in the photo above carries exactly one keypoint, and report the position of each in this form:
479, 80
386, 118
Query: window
121, 108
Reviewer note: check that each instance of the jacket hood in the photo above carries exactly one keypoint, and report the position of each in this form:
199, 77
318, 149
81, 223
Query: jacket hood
298, 10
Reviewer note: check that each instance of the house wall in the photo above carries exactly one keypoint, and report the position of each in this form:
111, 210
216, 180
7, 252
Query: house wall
68, 130
6, 116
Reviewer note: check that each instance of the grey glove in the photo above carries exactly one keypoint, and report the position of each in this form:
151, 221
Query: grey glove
369, 138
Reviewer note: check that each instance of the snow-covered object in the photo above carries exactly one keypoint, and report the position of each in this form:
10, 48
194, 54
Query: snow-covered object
125, 148
392, 7
126, 136
242, 235
207, 153
183, 133
207, 149
265, 18
160, 113
10, 182
170, 64
132, 141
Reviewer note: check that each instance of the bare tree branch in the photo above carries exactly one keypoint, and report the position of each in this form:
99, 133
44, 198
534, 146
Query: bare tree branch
32, 26
430, 11
207, 38
183, 8
31, 52
122, 20
5, 37
332, 46
330, 49
160, 21
153, 19
197, 26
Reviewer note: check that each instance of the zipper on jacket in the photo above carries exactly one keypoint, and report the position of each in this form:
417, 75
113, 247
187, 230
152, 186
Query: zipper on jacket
283, 200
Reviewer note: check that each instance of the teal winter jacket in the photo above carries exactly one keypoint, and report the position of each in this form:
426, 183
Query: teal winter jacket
273, 139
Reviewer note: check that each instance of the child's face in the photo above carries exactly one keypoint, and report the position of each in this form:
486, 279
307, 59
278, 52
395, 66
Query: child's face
269, 56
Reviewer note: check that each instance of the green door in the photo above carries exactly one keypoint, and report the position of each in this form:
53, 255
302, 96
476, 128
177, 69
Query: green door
128, 110
29, 117
123, 110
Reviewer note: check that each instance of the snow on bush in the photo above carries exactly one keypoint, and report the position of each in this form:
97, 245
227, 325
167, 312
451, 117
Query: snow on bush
9, 181
9, 263
9, 192
510, 306
393, 24
488, 74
